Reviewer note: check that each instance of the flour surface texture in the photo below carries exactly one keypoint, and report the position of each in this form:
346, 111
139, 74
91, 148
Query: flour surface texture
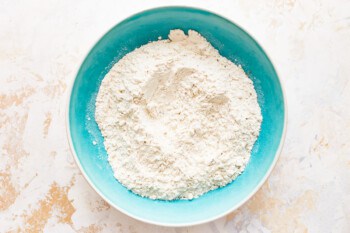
178, 119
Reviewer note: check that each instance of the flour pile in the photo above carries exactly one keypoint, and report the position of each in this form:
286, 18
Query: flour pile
178, 119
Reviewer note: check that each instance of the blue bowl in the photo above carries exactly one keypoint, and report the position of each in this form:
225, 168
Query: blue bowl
87, 142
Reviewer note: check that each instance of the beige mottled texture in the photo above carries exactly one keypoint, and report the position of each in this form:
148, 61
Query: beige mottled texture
47, 123
8, 192
57, 197
41, 45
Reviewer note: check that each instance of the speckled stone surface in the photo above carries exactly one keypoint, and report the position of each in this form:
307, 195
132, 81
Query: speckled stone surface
41, 46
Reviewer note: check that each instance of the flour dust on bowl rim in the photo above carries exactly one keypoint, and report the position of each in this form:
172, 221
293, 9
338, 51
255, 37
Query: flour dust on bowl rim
233, 43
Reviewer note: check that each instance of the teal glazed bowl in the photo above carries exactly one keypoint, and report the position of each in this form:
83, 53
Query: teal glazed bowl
87, 142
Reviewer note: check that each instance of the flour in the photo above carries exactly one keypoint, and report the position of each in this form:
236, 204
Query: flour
178, 119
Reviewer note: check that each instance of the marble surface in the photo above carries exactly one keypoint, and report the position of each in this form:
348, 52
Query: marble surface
41, 45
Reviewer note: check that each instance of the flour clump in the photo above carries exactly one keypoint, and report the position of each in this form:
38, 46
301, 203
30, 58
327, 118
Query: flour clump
178, 119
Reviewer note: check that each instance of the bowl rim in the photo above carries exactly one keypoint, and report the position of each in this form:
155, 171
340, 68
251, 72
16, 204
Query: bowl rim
233, 208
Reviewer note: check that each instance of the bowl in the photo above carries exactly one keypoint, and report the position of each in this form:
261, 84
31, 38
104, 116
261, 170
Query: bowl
87, 142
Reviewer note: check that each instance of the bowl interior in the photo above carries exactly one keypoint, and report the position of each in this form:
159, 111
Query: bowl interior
233, 43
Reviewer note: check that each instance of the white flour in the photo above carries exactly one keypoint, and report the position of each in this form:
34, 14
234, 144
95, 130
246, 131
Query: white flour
178, 119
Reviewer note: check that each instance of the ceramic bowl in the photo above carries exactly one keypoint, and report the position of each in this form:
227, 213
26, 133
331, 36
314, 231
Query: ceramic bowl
233, 43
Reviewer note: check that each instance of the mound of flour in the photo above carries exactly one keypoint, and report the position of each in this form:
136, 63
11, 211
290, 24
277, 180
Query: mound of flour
178, 119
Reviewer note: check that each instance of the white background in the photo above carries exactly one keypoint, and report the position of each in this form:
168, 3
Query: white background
41, 45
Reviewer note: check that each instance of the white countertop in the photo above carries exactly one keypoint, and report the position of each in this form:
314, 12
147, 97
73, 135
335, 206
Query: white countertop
41, 45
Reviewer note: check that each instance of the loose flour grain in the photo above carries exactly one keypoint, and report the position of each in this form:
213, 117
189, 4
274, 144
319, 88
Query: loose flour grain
178, 119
